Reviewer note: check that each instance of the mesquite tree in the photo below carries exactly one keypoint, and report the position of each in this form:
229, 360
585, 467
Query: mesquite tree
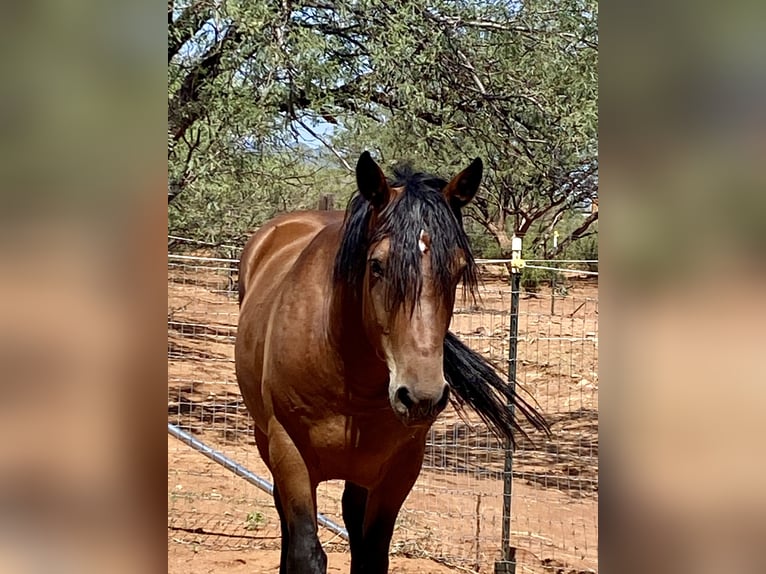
266, 97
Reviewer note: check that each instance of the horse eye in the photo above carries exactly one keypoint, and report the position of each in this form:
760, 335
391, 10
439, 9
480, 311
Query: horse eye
376, 268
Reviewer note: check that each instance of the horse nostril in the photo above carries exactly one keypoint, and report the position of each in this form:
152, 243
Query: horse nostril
404, 397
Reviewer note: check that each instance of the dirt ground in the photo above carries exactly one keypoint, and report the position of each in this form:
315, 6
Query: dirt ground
452, 519
183, 559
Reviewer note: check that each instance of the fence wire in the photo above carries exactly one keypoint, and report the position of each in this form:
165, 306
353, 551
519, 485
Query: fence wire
454, 511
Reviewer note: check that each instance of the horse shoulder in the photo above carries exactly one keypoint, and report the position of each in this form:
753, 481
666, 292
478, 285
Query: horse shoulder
273, 249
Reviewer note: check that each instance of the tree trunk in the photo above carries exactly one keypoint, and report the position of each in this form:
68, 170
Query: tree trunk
497, 229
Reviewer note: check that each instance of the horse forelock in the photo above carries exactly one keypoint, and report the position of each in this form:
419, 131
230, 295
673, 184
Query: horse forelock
419, 211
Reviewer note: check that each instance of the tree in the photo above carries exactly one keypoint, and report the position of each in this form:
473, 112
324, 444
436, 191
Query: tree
512, 82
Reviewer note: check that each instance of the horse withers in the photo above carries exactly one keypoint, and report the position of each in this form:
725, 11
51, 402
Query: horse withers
343, 354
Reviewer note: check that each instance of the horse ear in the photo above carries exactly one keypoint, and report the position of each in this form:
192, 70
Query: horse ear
463, 187
371, 181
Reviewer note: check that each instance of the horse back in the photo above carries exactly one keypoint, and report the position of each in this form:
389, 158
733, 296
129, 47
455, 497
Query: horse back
273, 249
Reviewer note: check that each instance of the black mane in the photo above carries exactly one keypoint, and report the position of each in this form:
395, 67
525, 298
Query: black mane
421, 205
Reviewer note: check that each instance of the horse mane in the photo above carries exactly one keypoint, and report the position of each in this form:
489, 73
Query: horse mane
422, 205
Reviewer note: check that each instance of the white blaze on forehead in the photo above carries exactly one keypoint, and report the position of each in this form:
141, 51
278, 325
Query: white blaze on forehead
423, 241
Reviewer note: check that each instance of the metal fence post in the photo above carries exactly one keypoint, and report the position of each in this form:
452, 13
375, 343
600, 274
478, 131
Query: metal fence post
507, 565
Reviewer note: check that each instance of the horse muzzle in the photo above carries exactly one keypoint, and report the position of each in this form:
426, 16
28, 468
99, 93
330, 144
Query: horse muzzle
417, 408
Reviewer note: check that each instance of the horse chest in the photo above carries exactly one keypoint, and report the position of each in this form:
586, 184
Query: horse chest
360, 450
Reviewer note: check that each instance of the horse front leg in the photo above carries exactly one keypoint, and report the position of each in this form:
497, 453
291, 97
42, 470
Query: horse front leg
262, 441
354, 504
381, 510
295, 497
284, 532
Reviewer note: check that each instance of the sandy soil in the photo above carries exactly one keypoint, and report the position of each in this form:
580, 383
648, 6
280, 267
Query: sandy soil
452, 519
262, 561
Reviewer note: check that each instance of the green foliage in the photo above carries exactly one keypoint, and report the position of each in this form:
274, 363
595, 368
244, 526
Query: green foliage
255, 520
482, 244
585, 249
532, 278
228, 207
270, 104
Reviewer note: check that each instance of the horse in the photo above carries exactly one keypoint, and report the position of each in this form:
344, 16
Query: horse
344, 358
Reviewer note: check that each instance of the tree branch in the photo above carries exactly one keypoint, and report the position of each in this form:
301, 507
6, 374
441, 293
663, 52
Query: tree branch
326, 144
576, 234
181, 113
188, 23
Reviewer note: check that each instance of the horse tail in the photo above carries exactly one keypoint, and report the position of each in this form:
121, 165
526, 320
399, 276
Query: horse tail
476, 383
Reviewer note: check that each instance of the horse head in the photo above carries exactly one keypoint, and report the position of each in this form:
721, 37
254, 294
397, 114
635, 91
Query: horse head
411, 254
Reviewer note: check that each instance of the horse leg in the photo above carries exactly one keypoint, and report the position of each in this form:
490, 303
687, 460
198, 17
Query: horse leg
354, 503
285, 534
296, 493
262, 443
383, 505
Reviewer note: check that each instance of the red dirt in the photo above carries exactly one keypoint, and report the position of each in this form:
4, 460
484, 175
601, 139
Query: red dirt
454, 512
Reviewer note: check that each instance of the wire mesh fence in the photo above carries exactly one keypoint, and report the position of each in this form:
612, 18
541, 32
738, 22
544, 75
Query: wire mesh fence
454, 513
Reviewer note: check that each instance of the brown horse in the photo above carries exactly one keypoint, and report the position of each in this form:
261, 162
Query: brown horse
343, 353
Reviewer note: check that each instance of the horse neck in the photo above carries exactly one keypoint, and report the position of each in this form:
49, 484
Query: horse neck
361, 361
